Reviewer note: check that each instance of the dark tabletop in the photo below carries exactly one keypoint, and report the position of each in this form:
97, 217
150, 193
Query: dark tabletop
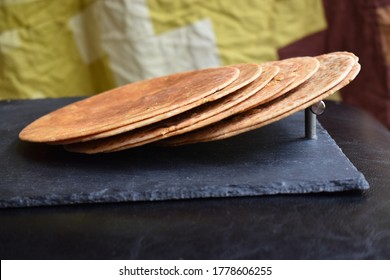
347, 225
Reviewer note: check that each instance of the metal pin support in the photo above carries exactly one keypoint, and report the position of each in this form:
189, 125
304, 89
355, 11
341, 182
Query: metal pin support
311, 119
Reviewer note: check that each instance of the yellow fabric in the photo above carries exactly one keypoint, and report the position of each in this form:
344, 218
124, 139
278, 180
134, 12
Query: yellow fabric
64, 48
39, 57
246, 30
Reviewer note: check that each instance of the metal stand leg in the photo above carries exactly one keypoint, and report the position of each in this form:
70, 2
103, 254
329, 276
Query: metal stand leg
311, 119
310, 124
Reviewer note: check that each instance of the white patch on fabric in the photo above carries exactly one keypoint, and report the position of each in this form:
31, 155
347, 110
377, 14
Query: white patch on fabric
136, 53
86, 34
9, 40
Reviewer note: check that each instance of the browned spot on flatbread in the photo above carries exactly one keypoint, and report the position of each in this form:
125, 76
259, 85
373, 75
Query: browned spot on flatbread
137, 103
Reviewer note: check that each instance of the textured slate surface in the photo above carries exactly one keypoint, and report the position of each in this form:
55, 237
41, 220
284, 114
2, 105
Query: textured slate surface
272, 160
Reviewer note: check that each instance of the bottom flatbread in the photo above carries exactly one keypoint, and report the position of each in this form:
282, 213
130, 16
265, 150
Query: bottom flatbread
336, 71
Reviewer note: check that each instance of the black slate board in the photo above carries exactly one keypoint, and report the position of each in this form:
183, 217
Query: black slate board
271, 160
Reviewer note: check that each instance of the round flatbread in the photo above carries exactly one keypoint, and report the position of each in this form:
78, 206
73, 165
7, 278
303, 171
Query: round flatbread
335, 71
140, 103
248, 73
190, 120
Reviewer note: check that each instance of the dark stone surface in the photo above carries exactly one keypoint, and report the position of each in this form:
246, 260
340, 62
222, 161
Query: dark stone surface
340, 225
272, 160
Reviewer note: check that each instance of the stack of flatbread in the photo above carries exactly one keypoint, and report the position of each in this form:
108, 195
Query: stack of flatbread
195, 106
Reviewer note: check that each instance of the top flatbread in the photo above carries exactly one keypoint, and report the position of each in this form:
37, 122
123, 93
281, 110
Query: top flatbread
334, 73
137, 103
248, 73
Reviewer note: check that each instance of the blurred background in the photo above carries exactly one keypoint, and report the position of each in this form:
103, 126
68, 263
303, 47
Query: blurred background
60, 48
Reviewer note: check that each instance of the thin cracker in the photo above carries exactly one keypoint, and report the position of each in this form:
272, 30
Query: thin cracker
137, 103
248, 73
